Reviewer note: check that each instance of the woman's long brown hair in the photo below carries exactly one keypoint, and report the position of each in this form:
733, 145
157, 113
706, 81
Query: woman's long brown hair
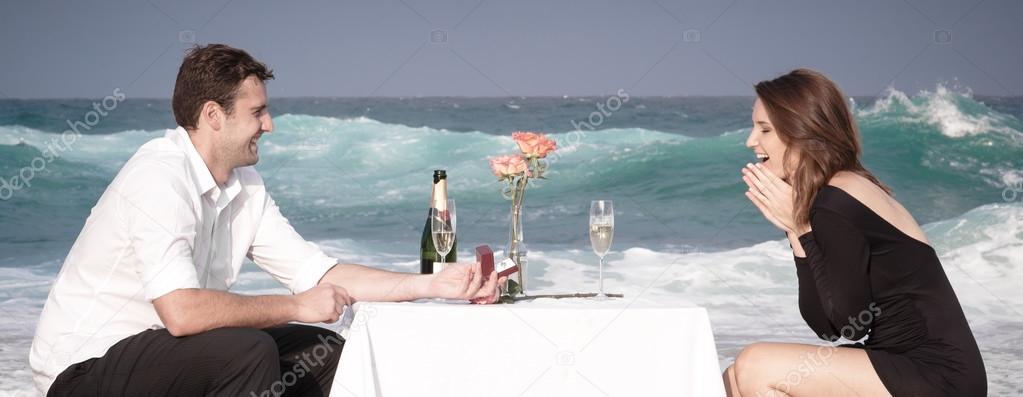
812, 119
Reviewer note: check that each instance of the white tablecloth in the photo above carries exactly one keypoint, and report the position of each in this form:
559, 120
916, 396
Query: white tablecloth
545, 347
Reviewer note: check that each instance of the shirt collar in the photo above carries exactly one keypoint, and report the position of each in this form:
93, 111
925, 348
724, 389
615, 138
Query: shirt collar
204, 182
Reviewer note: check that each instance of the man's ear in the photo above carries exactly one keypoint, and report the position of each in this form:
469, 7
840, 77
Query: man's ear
212, 114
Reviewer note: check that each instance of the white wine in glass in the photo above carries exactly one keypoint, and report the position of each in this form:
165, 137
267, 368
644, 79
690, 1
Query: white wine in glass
602, 230
442, 225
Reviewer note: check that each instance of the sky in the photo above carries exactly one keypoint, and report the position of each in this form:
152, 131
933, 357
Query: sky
86, 49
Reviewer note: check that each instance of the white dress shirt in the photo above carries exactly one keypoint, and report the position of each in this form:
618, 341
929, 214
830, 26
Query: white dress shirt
162, 224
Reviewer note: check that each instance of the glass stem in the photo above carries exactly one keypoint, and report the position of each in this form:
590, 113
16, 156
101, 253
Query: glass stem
601, 277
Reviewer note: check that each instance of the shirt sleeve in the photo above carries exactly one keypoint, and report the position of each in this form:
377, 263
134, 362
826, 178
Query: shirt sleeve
838, 257
161, 225
279, 250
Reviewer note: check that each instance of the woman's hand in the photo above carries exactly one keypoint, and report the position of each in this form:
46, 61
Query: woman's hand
464, 281
772, 196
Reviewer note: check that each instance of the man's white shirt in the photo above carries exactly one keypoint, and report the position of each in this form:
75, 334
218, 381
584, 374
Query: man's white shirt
163, 224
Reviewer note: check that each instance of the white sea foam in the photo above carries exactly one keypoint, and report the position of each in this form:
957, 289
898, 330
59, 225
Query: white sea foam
955, 113
750, 292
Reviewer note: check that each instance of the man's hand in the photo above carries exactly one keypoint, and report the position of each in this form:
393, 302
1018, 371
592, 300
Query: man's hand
323, 303
465, 281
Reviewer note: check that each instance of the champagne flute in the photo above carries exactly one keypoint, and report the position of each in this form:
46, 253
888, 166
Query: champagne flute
602, 228
442, 226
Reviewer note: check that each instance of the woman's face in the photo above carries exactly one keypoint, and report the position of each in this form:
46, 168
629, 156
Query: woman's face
765, 142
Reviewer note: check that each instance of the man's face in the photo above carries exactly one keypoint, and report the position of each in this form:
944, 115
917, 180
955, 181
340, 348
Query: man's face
248, 120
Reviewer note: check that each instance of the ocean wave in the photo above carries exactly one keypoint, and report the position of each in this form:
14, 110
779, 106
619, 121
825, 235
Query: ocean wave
110, 149
955, 113
315, 159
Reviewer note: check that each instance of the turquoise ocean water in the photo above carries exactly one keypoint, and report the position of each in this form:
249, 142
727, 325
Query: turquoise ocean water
354, 176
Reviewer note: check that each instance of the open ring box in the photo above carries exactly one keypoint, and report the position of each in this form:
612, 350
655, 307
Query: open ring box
504, 268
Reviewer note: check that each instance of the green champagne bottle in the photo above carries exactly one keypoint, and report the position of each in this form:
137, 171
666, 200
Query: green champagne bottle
427, 252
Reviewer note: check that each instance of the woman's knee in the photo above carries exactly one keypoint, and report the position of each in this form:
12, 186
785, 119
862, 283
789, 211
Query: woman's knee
750, 366
751, 357
728, 377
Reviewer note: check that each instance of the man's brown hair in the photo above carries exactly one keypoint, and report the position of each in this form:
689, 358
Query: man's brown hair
212, 72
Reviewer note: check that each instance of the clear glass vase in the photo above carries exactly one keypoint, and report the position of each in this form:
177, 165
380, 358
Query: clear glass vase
516, 249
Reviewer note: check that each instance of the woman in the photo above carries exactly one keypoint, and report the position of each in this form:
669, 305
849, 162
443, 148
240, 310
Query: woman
864, 265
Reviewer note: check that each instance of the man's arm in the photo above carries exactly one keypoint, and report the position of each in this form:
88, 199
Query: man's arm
282, 252
191, 311
456, 281
375, 285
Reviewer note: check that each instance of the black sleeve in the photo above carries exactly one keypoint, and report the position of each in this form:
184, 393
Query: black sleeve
838, 256
810, 302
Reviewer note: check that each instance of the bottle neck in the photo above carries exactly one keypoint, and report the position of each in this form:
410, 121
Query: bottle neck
439, 197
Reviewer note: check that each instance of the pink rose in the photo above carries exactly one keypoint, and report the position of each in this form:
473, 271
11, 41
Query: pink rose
534, 144
510, 165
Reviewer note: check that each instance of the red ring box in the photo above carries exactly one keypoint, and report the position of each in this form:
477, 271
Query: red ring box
485, 256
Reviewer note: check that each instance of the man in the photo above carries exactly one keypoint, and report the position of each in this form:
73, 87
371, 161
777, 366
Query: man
141, 306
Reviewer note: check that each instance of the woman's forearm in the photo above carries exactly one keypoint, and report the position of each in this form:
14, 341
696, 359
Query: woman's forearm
797, 248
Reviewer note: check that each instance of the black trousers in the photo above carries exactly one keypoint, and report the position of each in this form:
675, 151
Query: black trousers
289, 360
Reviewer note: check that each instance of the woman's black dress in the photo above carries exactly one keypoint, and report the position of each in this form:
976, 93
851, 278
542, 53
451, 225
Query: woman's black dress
864, 277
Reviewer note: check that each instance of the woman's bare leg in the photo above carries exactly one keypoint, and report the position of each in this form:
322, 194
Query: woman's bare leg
796, 370
731, 388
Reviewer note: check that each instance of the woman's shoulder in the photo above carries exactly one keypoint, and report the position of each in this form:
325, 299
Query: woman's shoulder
859, 187
847, 193
859, 199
